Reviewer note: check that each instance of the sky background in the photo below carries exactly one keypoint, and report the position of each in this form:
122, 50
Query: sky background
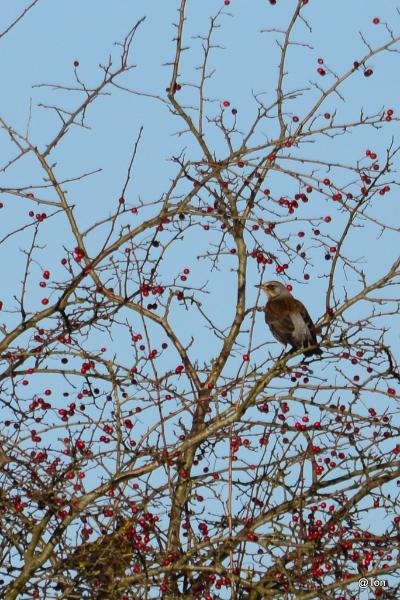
42, 49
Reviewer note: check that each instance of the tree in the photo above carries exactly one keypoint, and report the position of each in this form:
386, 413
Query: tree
156, 440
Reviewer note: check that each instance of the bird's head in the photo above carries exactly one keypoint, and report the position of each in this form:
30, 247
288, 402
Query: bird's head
274, 289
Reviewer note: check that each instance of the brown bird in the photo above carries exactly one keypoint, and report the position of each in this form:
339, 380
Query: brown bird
288, 319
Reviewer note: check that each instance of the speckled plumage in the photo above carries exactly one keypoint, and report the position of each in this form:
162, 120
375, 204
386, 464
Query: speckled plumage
288, 319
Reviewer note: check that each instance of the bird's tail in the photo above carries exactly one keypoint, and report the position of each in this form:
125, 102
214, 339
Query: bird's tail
313, 351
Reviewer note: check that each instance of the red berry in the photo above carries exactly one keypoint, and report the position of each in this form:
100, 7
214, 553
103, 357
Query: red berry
76, 63
376, 21
226, 103
368, 72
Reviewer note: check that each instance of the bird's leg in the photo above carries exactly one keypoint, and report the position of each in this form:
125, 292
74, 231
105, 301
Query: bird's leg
286, 352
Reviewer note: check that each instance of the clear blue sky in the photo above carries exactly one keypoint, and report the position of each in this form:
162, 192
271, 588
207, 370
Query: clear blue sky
42, 49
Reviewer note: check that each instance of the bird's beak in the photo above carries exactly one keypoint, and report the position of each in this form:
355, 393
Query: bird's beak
257, 286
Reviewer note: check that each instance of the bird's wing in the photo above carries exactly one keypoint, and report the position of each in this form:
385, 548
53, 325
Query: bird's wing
277, 316
299, 307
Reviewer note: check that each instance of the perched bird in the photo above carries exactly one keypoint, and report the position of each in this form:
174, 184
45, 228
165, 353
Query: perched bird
288, 319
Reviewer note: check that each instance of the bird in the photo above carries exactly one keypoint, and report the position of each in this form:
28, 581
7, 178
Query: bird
288, 319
